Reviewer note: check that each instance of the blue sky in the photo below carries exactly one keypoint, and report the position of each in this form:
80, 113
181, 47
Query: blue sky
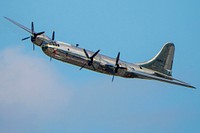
37, 95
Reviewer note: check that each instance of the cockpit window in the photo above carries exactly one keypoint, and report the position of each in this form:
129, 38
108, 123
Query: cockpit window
55, 44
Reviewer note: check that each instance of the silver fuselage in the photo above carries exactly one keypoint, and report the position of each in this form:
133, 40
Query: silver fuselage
75, 55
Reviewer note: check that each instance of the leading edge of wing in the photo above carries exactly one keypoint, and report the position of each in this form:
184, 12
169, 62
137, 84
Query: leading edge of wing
174, 81
21, 26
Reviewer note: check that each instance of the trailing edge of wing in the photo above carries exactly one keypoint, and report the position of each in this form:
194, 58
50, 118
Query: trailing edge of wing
174, 81
21, 26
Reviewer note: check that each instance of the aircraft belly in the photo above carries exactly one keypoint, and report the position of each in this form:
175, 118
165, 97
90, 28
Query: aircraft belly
80, 61
64, 56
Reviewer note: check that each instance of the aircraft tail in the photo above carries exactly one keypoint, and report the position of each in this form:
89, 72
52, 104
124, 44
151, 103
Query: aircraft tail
163, 61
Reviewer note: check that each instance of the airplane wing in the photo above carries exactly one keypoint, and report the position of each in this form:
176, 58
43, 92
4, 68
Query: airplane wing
21, 26
172, 80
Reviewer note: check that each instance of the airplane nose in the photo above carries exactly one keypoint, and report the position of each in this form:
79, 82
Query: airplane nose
45, 47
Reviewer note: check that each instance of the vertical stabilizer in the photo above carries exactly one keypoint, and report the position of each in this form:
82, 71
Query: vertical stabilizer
163, 61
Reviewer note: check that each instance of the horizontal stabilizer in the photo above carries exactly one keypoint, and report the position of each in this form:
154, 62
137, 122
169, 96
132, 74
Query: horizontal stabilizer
172, 80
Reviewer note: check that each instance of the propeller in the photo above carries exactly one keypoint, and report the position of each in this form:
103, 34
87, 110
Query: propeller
90, 59
25, 38
54, 43
53, 36
117, 66
34, 35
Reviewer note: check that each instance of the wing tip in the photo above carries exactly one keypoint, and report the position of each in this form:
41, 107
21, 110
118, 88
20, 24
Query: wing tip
193, 87
189, 86
7, 18
18, 24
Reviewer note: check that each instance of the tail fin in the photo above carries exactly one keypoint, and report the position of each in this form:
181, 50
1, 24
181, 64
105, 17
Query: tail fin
163, 61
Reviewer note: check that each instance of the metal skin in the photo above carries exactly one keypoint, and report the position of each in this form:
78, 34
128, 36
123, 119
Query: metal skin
159, 68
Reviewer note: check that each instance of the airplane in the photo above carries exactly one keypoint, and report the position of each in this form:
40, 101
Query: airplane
158, 68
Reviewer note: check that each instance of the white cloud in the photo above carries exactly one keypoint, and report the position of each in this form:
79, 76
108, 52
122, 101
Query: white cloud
29, 88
